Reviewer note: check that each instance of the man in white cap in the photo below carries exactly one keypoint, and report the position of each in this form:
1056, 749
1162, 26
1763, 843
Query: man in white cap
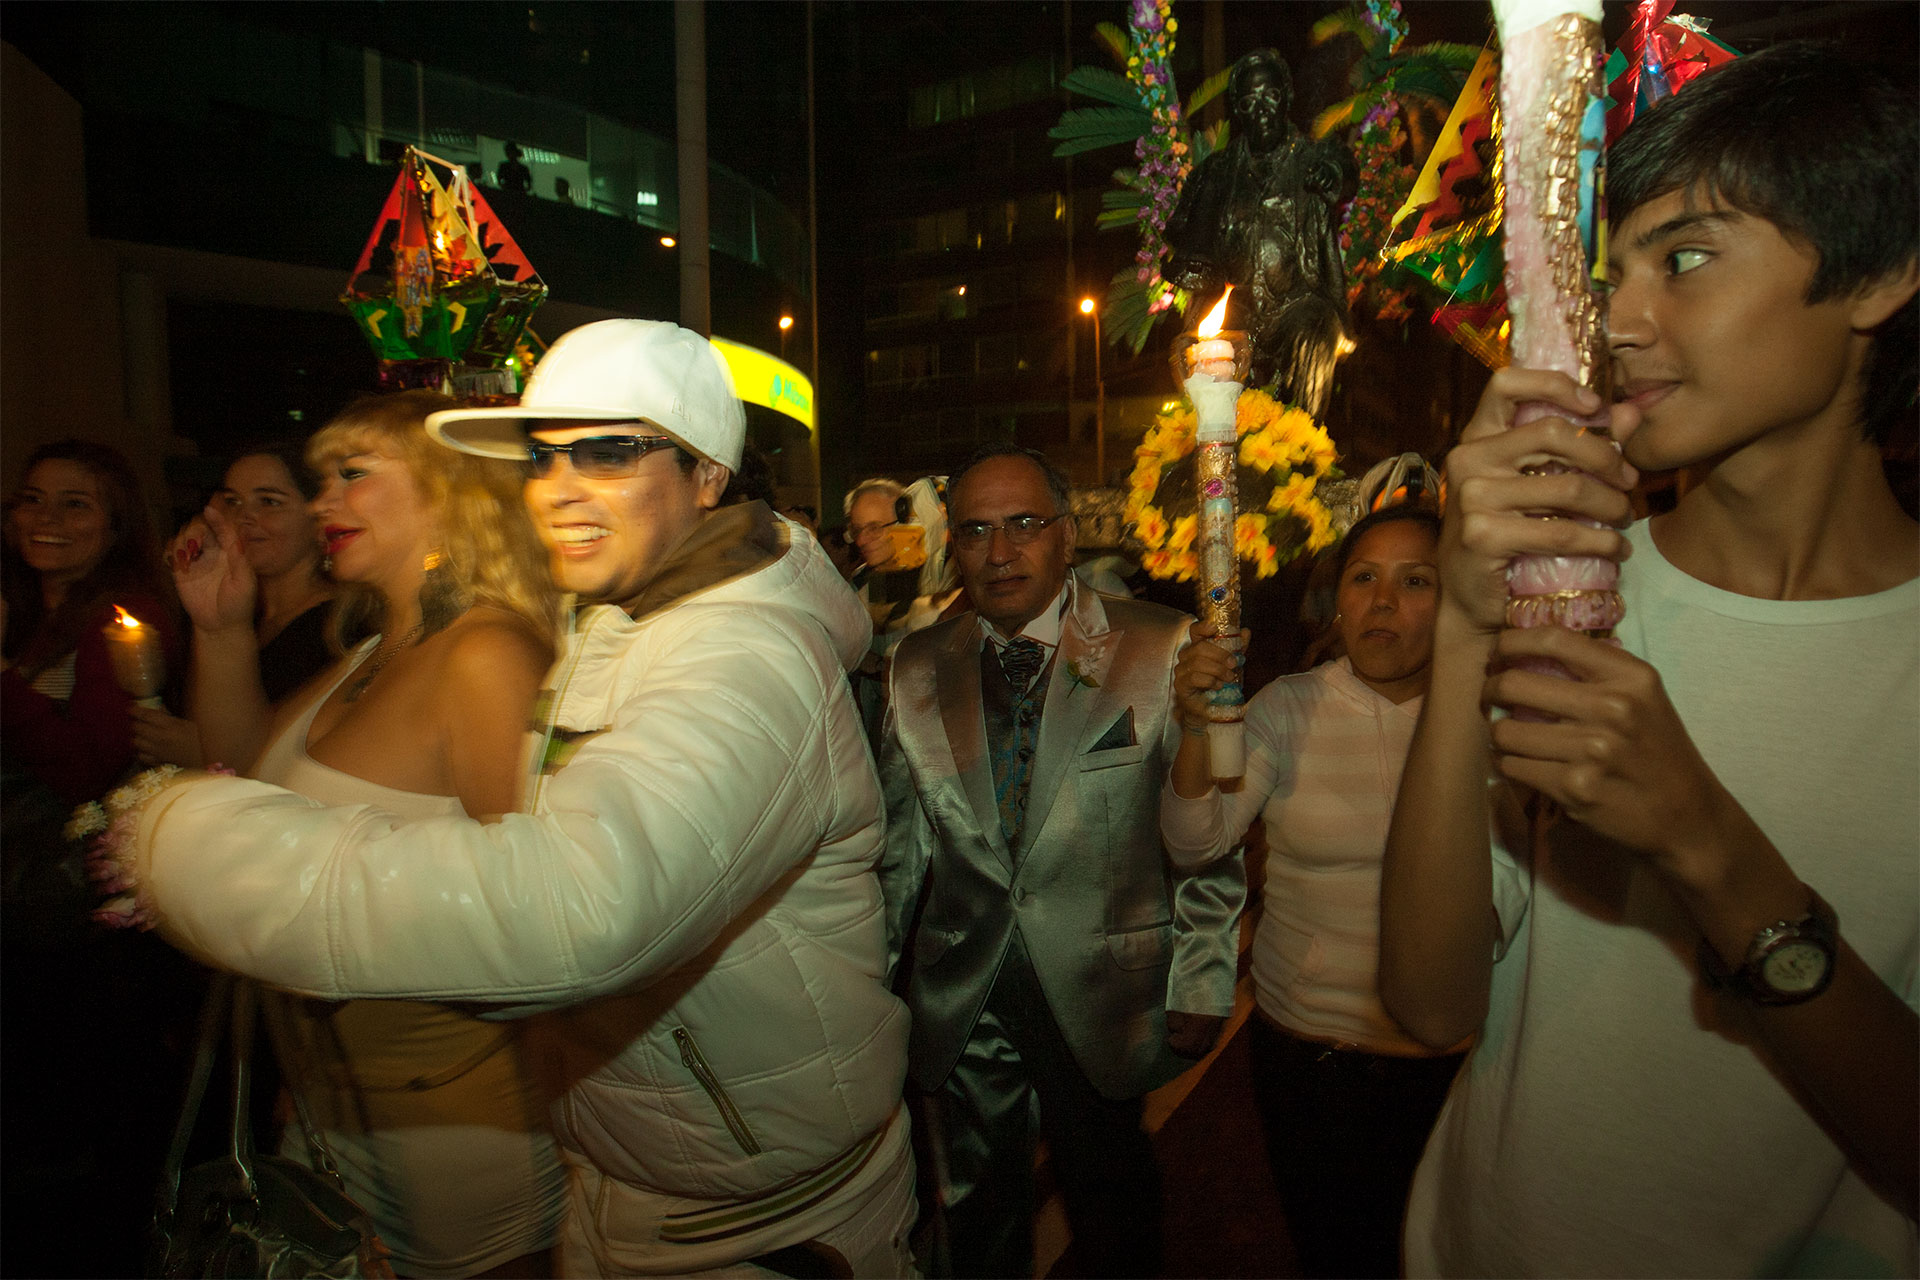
692, 883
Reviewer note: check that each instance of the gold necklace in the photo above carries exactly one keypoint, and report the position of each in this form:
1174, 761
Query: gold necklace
381, 657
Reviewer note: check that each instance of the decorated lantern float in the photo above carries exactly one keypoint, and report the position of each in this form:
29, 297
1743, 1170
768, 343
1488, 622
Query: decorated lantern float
442, 291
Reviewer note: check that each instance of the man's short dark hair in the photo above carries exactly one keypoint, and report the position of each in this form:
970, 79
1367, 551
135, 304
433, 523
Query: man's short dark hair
1820, 144
1055, 478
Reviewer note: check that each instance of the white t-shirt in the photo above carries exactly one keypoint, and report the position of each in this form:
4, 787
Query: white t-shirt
1611, 1121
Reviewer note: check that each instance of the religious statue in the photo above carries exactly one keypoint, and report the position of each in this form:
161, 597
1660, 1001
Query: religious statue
1262, 214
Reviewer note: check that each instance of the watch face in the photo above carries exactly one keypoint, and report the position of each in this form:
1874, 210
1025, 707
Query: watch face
1795, 967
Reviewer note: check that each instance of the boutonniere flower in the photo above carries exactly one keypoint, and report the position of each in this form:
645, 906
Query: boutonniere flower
1087, 668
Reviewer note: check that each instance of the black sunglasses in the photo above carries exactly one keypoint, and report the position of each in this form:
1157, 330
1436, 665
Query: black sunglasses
597, 457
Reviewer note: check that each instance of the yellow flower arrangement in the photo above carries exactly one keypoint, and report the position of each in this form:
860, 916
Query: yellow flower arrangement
1283, 455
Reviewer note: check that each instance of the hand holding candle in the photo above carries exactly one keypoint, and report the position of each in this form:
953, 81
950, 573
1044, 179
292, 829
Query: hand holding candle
139, 662
1211, 363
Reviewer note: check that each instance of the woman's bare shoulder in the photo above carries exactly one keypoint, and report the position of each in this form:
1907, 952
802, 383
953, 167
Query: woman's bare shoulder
484, 640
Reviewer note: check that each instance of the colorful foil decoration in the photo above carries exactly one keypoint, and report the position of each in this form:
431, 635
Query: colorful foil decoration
1454, 245
1211, 365
1554, 107
1658, 55
441, 290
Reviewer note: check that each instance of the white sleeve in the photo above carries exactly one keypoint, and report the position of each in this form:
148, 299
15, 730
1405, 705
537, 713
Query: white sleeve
1204, 829
713, 784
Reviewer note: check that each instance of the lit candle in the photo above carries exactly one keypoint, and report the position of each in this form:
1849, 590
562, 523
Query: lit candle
1210, 364
139, 664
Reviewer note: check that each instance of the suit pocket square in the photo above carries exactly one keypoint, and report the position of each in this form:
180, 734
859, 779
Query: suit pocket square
1118, 734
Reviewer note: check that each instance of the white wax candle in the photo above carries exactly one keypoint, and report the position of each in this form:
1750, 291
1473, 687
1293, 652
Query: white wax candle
1227, 749
133, 651
1213, 402
1514, 16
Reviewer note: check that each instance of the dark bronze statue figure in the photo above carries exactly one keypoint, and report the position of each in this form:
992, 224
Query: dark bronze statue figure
1262, 214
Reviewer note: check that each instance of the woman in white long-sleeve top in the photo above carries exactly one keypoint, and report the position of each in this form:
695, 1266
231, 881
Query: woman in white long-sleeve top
1346, 1096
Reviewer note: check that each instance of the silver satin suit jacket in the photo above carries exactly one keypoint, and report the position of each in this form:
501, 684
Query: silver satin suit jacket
1115, 935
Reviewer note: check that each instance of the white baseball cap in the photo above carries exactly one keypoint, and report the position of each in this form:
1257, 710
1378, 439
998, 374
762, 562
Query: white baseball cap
614, 371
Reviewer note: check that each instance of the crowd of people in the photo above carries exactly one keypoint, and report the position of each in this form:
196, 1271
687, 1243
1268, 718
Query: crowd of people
635, 889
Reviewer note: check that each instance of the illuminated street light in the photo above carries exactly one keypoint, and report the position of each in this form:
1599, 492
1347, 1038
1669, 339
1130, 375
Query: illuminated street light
667, 242
1089, 307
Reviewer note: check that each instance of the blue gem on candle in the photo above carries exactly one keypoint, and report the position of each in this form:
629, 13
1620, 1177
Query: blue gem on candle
1217, 595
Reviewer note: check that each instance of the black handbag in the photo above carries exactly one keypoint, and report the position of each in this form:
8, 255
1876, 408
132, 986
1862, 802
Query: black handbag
247, 1214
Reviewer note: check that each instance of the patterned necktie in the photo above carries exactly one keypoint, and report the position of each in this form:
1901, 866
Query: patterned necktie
1020, 662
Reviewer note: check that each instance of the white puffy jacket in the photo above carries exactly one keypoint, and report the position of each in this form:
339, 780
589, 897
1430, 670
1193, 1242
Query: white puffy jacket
694, 886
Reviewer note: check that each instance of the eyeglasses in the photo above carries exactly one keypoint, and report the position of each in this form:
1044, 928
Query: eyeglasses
855, 532
1020, 530
597, 457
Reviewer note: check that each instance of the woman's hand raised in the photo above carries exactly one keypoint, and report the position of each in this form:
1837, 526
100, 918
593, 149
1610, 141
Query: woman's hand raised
211, 573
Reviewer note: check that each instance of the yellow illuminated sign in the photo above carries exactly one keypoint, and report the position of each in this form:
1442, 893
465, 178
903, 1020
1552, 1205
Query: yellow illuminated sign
759, 378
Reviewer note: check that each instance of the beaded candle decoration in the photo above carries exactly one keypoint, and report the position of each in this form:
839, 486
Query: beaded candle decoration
1210, 363
1553, 97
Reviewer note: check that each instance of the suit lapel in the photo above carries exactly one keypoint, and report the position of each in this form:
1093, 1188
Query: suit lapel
957, 678
1085, 645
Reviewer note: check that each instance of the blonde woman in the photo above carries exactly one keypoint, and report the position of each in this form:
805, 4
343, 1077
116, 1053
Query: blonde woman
430, 1113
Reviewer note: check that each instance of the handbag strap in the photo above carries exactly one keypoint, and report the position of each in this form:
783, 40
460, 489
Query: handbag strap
240, 1120
229, 994
212, 1021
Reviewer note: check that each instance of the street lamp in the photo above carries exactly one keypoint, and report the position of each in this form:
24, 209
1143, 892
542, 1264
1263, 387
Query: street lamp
1089, 307
786, 328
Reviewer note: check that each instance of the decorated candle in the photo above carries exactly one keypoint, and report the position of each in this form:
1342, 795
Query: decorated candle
134, 651
1553, 101
1211, 363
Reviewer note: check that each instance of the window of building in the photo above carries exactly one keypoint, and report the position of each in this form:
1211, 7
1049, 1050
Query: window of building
1041, 216
982, 93
997, 354
890, 366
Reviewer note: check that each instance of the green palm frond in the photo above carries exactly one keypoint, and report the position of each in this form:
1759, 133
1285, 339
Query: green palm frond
1344, 22
1342, 114
1126, 316
1210, 88
1102, 85
1090, 128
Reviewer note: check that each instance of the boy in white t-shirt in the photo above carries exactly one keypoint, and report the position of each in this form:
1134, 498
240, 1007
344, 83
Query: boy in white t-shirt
1697, 1045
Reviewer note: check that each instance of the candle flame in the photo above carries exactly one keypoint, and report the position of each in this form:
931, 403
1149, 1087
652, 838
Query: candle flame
125, 619
1216, 317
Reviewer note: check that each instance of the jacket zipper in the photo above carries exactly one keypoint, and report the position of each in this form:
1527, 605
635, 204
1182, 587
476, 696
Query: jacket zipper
696, 1062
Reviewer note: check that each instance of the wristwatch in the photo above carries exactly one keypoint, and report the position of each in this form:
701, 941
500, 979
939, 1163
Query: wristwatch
1787, 962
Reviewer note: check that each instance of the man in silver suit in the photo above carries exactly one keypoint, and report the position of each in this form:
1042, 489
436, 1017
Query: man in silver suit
1047, 949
